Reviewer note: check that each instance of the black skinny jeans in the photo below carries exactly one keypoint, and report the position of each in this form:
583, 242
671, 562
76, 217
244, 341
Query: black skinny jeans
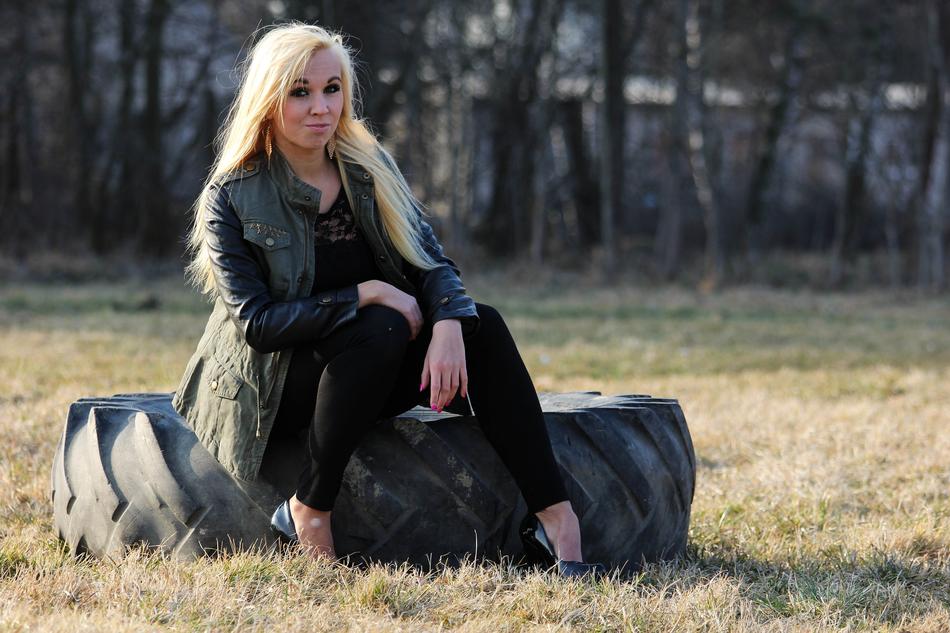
368, 369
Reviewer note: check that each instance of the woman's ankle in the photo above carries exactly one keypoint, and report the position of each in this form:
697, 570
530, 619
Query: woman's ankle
314, 531
563, 530
299, 507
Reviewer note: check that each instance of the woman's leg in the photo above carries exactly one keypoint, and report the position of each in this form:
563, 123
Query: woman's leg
506, 405
362, 361
359, 363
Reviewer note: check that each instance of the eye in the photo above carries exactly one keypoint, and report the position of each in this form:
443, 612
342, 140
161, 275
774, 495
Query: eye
299, 92
332, 88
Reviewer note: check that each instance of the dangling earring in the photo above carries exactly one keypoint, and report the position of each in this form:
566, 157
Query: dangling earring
331, 146
268, 144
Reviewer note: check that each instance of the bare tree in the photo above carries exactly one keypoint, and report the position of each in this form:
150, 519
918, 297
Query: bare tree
79, 42
932, 199
781, 113
20, 137
507, 221
866, 104
677, 193
157, 233
701, 130
612, 130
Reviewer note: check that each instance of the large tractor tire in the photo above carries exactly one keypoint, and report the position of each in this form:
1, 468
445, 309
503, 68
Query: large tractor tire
421, 487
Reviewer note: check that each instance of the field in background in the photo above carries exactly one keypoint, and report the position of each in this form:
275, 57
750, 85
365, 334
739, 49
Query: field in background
820, 425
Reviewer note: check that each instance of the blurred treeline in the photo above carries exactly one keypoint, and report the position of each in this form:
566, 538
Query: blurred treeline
665, 134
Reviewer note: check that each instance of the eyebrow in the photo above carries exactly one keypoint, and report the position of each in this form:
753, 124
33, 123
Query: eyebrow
307, 82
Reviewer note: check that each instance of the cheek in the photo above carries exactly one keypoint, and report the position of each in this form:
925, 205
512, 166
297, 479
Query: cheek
337, 105
294, 110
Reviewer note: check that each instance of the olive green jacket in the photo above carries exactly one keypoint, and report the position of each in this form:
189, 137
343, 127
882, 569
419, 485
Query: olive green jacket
260, 238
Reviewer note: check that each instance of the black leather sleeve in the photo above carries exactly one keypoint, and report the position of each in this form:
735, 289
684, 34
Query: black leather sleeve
267, 325
440, 290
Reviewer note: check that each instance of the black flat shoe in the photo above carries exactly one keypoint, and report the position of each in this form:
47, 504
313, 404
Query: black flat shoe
539, 551
283, 524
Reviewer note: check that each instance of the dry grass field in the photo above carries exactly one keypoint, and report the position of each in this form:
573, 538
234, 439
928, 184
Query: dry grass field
820, 424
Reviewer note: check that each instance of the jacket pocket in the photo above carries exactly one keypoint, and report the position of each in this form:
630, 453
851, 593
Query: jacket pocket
267, 236
221, 381
275, 254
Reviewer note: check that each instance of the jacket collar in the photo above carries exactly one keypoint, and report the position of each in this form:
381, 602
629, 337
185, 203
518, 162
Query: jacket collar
297, 192
303, 194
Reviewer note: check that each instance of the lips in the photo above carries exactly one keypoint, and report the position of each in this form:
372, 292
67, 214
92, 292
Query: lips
319, 127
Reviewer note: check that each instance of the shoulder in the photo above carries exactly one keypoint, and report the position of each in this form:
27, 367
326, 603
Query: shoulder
249, 169
245, 186
228, 188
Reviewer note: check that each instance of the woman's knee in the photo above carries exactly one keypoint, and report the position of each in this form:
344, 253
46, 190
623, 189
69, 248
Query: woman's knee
383, 318
489, 319
383, 327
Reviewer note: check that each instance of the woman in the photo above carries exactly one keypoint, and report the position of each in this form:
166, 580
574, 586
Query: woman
335, 305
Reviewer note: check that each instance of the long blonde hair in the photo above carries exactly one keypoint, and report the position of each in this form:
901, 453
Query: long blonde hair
267, 75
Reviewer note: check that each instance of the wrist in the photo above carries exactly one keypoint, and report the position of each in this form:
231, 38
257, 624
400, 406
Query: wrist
447, 324
368, 292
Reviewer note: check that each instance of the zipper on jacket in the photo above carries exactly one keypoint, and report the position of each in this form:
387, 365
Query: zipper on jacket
260, 407
273, 381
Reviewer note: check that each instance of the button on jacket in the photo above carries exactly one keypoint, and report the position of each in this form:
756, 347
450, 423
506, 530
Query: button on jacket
260, 238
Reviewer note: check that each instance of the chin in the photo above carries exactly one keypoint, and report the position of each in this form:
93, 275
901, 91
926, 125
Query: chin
310, 146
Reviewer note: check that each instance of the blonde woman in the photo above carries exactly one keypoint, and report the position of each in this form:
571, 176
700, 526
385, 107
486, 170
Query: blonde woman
334, 304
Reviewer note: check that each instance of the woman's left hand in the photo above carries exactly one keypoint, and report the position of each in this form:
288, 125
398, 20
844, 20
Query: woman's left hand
445, 364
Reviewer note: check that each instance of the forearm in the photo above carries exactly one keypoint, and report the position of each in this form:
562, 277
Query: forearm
285, 324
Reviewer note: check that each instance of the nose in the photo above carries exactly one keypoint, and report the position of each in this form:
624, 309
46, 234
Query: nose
319, 105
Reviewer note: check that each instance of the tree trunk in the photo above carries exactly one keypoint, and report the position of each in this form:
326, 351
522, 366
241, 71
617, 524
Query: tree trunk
158, 228
781, 114
931, 272
410, 160
538, 220
668, 239
456, 129
851, 213
542, 156
113, 218
699, 124
930, 264
506, 226
17, 197
584, 187
892, 240
78, 54
612, 132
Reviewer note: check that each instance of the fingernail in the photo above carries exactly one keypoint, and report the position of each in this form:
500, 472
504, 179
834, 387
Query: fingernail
421, 387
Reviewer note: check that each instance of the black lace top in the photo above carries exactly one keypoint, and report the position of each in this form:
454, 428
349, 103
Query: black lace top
337, 222
343, 257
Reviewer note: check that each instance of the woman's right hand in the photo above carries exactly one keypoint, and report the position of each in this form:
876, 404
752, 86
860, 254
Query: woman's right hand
382, 293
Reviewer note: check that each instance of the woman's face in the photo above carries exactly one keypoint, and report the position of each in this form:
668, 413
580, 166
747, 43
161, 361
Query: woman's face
313, 106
